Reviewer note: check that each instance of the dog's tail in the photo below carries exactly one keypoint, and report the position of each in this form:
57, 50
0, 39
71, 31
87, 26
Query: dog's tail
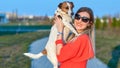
33, 56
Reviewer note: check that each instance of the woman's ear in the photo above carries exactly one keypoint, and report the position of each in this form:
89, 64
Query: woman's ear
91, 23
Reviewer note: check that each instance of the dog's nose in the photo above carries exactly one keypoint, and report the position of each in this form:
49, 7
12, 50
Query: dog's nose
72, 13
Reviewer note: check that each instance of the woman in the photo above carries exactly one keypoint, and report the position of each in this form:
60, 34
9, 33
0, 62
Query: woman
78, 50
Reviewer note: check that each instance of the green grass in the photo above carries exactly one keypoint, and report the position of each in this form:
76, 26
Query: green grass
107, 44
13, 46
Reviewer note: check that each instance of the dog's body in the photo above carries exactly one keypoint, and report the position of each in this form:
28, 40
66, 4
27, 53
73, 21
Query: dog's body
50, 46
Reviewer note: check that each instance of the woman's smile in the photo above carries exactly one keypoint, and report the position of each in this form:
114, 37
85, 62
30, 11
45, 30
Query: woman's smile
78, 25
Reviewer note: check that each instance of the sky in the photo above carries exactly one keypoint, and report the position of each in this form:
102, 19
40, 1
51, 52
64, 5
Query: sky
48, 7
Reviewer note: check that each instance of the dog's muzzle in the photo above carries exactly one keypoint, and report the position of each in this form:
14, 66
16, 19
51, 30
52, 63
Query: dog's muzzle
72, 13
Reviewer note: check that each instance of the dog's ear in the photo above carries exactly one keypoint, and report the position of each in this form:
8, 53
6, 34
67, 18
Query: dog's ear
72, 4
60, 5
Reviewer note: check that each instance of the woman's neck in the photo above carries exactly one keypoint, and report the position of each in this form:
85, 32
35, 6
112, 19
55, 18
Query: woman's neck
86, 31
80, 31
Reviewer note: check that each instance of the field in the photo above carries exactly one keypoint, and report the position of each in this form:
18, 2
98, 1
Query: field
108, 47
13, 46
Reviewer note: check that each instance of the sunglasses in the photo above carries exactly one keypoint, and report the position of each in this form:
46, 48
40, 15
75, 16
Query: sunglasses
84, 19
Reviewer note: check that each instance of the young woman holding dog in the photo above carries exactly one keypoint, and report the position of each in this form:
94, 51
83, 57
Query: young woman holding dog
78, 50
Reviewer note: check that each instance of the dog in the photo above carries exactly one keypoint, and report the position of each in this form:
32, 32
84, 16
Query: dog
64, 12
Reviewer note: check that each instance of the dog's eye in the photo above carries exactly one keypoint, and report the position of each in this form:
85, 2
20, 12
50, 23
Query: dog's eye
67, 8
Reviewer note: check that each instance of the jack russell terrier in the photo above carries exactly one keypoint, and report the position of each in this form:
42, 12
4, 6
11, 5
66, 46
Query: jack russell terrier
64, 11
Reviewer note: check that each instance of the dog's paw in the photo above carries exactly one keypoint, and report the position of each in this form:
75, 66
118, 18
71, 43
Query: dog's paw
29, 55
26, 54
33, 56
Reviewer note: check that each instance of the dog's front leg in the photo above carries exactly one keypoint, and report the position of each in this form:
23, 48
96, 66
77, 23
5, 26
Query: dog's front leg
70, 26
66, 33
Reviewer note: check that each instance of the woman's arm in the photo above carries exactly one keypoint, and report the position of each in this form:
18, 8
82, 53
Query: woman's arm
60, 27
59, 45
78, 50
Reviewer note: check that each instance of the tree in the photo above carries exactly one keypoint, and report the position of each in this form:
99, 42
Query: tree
97, 23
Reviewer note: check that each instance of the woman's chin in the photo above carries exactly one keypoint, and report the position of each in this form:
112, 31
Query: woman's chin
78, 28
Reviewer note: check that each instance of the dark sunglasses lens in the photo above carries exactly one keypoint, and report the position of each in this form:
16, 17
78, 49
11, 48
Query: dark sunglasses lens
85, 19
77, 16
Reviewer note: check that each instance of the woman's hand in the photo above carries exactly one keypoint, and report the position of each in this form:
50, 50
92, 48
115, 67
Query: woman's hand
59, 24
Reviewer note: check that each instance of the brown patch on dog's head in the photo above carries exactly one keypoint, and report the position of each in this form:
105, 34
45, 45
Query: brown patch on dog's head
65, 7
